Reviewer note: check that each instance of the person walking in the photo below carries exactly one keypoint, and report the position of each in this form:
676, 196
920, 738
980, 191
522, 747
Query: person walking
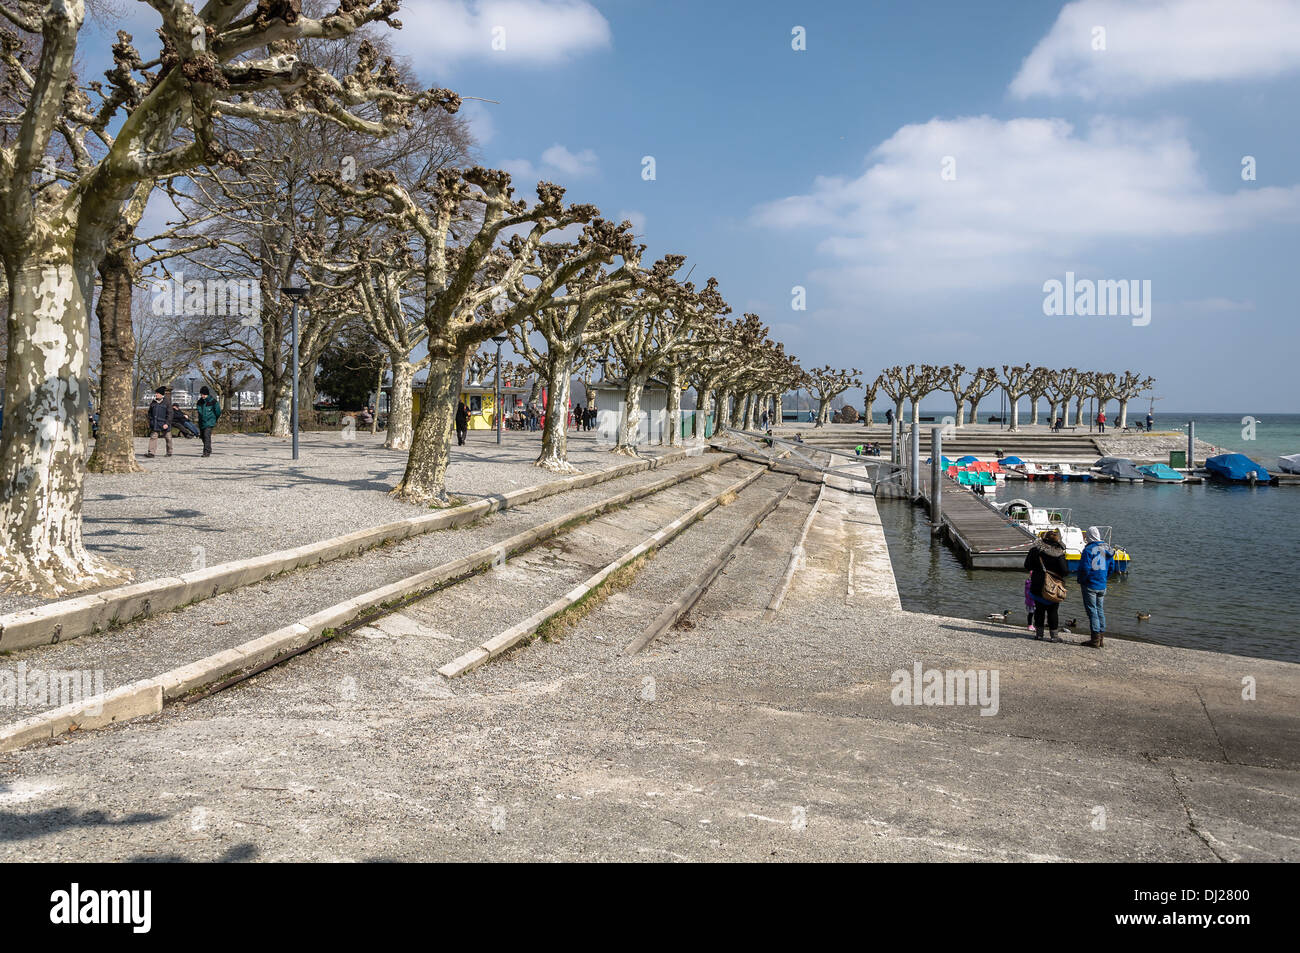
208, 410
1046, 565
889, 416
1094, 568
160, 414
1101, 421
462, 422
1150, 421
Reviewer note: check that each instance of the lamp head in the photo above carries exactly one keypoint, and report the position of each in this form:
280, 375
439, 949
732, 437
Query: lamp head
500, 339
296, 293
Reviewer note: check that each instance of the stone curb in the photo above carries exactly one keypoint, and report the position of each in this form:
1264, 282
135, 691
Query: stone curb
682, 604
512, 636
83, 615
796, 556
148, 696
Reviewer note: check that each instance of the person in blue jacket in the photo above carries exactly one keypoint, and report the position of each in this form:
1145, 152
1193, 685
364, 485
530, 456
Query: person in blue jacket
1094, 567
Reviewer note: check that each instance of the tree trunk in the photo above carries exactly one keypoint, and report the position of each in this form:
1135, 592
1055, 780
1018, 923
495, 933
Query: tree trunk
898, 411
1078, 410
629, 427
704, 406
379, 393
42, 445
399, 404
823, 404
674, 422
868, 414
1033, 406
723, 413
778, 415
555, 432
1122, 421
975, 410
960, 415
426, 468
916, 412
115, 447
282, 404
1015, 412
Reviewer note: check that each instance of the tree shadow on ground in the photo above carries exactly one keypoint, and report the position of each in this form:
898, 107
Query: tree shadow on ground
238, 854
18, 827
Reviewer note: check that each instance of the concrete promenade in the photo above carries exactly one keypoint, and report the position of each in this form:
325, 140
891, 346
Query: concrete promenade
730, 738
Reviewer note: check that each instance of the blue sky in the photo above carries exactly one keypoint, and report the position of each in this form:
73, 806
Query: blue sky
770, 171
822, 168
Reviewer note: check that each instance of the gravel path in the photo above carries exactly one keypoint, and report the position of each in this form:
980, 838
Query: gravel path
250, 497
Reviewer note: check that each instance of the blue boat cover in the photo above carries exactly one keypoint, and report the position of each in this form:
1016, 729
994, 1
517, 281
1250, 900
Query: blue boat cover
1011, 461
1161, 471
962, 461
1235, 466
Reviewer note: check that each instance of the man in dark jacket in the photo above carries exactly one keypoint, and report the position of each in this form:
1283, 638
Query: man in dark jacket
1046, 555
209, 412
462, 423
1094, 568
160, 413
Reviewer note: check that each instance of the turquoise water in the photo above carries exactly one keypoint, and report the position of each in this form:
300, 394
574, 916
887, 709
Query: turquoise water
1213, 565
1270, 436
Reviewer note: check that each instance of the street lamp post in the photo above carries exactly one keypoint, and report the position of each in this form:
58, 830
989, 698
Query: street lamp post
297, 294
500, 339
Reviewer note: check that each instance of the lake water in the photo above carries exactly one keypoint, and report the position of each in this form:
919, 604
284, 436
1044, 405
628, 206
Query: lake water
1214, 566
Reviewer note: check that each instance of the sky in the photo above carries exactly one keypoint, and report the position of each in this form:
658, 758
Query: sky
924, 170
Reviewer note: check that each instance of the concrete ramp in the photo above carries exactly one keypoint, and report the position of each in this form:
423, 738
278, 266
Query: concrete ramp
846, 555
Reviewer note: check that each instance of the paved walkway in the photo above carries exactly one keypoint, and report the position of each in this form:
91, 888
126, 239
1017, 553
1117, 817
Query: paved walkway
730, 739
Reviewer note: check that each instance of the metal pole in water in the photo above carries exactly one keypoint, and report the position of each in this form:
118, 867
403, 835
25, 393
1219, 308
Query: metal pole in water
936, 478
916, 459
893, 441
1191, 444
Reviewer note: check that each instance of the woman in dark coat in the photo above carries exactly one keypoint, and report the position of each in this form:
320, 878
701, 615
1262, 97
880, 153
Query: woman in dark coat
462, 423
1046, 555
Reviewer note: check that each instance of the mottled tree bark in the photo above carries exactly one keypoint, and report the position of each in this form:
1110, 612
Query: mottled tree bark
399, 404
42, 446
629, 428
426, 467
114, 450
674, 422
555, 433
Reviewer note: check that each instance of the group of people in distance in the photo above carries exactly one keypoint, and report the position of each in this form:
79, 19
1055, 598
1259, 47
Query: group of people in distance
166, 417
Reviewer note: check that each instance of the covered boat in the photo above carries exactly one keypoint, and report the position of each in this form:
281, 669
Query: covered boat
1289, 463
962, 461
1010, 461
1236, 468
1161, 473
1119, 469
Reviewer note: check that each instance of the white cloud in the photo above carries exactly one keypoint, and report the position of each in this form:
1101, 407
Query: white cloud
529, 32
1031, 198
557, 164
1155, 44
637, 219
559, 158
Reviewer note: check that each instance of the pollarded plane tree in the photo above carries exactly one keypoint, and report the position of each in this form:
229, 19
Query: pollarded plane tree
664, 317
730, 346
984, 381
69, 164
913, 383
773, 371
1128, 386
869, 392
1036, 387
266, 207
472, 289
378, 271
1016, 381
593, 308
1062, 385
827, 383
703, 367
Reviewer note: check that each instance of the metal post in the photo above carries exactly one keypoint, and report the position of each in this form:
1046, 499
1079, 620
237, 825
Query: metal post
294, 409
1191, 445
893, 441
936, 477
498, 393
916, 459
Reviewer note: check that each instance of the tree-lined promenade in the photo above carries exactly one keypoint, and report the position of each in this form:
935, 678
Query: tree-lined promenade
290, 149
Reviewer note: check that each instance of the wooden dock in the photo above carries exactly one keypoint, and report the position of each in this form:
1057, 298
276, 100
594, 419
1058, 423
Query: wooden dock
983, 538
